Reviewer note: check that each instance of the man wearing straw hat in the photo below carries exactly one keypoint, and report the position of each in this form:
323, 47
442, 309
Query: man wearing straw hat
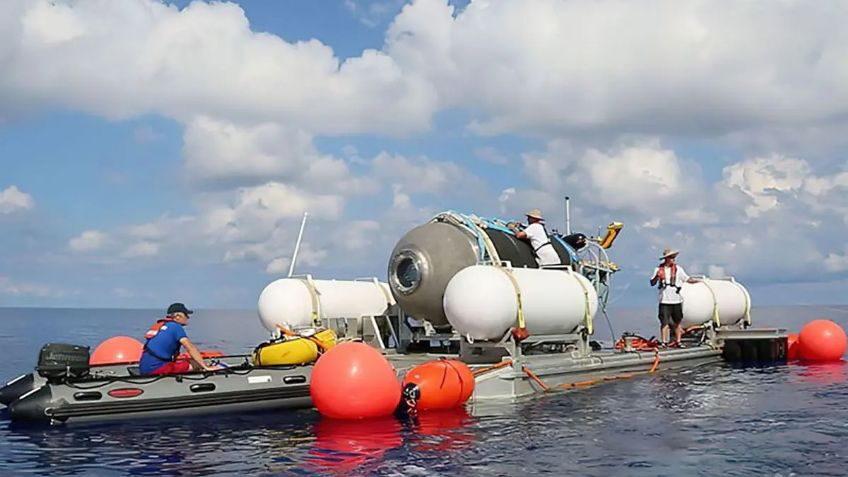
537, 235
669, 278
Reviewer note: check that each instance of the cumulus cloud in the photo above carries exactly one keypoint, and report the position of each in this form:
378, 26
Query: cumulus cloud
88, 241
763, 180
141, 249
124, 59
424, 175
641, 177
9, 286
658, 66
13, 200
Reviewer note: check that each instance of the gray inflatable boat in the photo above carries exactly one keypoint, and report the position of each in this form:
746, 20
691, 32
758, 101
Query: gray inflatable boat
65, 390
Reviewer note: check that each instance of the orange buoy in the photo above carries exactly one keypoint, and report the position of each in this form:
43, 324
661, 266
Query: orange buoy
441, 384
792, 347
354, 381
821, 340
117, 350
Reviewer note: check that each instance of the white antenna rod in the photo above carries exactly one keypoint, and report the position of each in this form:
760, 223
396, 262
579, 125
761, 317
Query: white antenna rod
297, 244
567, 215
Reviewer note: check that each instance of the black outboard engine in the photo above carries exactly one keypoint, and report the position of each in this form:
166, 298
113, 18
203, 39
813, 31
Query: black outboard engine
58, 361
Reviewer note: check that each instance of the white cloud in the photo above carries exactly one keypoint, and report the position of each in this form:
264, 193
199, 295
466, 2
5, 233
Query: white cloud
491, 155
423, 175
373, 12
638, 176
505, 197
13, 200
547, 66
141, 249
765, 179
9, 286
88, 241
124, 59
836, 263
278, 266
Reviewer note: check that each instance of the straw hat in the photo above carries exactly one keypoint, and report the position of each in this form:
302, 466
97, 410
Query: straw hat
535, 214
669, 252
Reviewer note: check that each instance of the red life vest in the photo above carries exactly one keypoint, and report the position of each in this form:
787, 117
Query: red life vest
668, 283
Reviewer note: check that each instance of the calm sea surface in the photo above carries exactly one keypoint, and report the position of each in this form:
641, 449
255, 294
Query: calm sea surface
714, 420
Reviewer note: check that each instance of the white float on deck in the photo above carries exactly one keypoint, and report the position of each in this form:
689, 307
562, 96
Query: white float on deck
722, 300
298, 302
481, 301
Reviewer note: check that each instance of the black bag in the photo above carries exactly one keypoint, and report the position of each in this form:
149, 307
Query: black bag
58, 360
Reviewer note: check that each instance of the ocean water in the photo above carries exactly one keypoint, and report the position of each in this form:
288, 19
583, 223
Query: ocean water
713, 420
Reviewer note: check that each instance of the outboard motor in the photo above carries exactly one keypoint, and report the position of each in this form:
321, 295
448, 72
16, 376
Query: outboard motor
57, 361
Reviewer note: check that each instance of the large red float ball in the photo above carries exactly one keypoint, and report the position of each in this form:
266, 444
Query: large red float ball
354, 381
441, 384
792, 347
117, 350
822, 340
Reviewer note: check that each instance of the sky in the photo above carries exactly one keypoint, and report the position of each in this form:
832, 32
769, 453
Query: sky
157, 151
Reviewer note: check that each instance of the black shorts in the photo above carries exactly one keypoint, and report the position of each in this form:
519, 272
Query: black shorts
671, 314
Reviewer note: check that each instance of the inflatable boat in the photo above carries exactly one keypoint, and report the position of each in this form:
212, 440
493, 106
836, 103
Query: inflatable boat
75, 392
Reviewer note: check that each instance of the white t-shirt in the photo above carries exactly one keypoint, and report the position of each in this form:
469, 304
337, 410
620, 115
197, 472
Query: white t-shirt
541, 243
668, 294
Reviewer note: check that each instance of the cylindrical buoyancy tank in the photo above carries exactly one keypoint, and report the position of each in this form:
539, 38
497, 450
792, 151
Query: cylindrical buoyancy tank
294, 301
481, 301
702, 300
428, 256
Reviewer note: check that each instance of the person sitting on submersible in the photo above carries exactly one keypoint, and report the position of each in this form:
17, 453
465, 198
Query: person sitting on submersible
537, 235
669, 277
163, 345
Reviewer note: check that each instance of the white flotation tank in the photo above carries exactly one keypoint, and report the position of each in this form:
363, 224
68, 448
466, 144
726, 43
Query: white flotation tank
295, 301
480, 301
725, 298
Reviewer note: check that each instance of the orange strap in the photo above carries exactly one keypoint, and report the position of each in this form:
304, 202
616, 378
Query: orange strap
656, 362
478, 372
535, 379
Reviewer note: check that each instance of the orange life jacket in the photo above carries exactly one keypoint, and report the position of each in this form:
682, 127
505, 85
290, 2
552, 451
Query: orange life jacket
154, 330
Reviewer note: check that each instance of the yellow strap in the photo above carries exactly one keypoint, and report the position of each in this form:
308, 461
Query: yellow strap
716, 316
587, 316
520, 314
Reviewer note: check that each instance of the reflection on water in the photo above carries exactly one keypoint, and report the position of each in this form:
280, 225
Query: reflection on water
713, 420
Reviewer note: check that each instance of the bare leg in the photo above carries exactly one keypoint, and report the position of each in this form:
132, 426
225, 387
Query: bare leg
664, 333
678, 333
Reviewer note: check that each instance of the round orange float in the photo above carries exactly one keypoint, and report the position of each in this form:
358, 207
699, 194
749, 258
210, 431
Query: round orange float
117, 350
822, 340
442, 384
354, 381
792, 347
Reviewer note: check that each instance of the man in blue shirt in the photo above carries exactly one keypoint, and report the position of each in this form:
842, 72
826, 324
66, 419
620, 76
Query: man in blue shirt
164, 340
